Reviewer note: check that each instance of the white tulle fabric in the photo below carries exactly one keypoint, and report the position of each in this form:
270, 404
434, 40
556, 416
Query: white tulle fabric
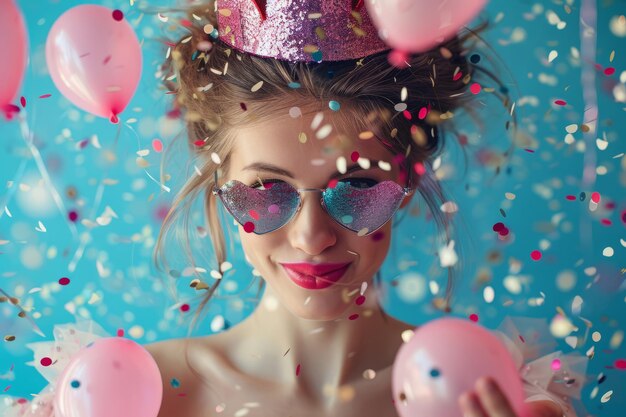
69, 338
547, 374
528, 339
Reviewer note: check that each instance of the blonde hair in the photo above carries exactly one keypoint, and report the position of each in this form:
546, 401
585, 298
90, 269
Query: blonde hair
214, 92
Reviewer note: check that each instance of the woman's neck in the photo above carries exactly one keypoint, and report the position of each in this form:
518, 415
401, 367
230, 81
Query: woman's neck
311, 357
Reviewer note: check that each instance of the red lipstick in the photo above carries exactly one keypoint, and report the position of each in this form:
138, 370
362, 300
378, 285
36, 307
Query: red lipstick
315, 276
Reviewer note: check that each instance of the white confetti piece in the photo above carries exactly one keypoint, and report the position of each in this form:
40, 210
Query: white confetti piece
552, 55
225, 266
143, 152
205, 88
404, 93
608, 252
449, 207
573, 128
341, 165
198, 172
385, 166
216, 274
215, 158
8, 213
437, 163
601, 144
317, 120
606, 397
488, 294
447, 255
41, 227
324, 131
364, 163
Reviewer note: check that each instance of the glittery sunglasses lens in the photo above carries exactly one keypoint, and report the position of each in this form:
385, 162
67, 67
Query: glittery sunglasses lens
363, 210
260, 210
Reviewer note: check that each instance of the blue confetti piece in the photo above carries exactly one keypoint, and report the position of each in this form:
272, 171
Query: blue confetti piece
75, 384
175, 383
334, 105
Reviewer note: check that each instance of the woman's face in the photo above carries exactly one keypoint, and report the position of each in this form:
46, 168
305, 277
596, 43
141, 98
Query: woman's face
312, 236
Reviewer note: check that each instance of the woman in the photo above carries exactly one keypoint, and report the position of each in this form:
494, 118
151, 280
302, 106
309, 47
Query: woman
312, 141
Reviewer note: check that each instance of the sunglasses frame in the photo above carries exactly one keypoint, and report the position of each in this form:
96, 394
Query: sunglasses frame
217, 192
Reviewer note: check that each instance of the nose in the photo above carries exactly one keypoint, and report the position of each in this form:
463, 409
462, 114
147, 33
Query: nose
312, 231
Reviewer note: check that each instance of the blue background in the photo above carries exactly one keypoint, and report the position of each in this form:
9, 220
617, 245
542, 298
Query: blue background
113, 282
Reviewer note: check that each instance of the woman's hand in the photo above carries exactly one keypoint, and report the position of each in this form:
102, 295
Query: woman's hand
488, 400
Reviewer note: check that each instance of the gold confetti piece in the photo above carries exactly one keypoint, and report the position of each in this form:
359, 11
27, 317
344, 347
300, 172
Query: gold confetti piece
366, 135
225, 12
257, 86
596, 336
616, 339
142, 163
9, 338
93, 299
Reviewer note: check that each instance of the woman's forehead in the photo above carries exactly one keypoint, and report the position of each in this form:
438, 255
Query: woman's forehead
304, 141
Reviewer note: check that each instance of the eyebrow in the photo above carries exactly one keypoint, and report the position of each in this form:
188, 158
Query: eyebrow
263, 166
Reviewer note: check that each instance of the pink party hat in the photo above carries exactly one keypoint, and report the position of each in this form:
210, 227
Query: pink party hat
299, 30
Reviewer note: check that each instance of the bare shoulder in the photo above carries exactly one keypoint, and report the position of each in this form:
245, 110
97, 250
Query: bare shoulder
184, 391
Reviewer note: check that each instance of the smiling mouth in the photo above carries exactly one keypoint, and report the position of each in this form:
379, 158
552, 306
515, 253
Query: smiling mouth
316, 282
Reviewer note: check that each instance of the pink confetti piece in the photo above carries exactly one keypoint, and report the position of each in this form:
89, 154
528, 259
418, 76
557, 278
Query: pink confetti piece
45, 361
298, 370
64, 281
419, 168
23, 101
422, 113
595, 197
157, 145
560, 102
45, 96
248, 227
535, 255
184, 308
473, 317
354, 156
609, 71
353, 317
407, 114
120, 333
360, 300
475, 88
620, 364
118, 15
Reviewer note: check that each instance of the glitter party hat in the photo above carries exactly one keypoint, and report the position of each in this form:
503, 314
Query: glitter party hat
299, 30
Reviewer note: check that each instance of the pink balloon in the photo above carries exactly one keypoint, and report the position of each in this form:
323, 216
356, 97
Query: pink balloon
443, 359
14, 41
94, 59
411, 26
113, 376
